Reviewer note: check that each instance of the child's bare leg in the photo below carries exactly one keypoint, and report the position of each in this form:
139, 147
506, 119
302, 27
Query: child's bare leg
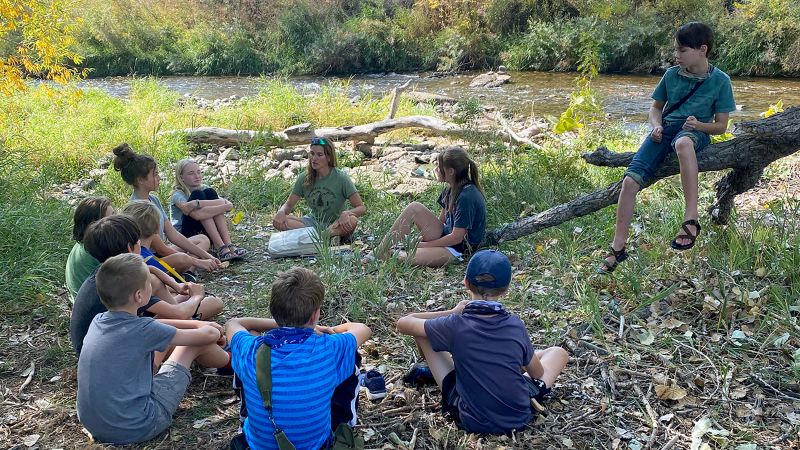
440, 363
222, 228
432, 257
179, 261
211, 355
200, 240
209, 307
553, 359
213, 234
687, 158
625, 205
414, 214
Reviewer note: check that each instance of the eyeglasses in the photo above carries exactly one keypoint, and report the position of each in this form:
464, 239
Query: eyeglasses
319, 141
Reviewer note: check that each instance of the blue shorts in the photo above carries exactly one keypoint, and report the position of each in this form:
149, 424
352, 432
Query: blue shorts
652, 154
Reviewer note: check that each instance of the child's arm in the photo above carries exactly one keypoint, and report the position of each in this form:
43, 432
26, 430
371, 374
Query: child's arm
656, 120
414, 323
718, 126
359, 330
204, 209
164, 278
236, 325
160, 248
454, 238
202, 335
535, 368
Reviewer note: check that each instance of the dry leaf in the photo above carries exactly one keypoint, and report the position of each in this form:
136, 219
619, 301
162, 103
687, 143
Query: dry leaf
672, 323
30, 440
673, 392
738, 393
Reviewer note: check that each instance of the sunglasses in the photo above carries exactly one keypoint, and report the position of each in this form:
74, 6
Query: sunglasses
319, 141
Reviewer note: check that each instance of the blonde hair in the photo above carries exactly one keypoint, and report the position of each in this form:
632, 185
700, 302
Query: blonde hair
146, 216
330, 154
180, 166
119, 277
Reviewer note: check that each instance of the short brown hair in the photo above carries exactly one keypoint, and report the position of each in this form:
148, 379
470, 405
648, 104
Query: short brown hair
486, 292
146, 216
111, 236
89, 210
296, 294
120, 277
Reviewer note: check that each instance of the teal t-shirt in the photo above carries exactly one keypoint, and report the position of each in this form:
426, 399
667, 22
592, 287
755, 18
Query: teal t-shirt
714, 96
80, 264
327, 196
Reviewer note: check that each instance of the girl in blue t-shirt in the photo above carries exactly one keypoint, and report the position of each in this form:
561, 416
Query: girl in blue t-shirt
197, 209
461, 224
140, 172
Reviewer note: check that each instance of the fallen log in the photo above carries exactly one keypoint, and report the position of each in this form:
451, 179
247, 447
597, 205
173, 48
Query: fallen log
302, 134
756, 145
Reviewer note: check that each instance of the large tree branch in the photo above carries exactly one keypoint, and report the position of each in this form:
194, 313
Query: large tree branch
302, 134
757, 144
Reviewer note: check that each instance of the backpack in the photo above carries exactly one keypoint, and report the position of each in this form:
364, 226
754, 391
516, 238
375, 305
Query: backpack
297, 242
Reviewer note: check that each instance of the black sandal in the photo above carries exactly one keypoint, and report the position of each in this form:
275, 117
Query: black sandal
618, 255
691, 237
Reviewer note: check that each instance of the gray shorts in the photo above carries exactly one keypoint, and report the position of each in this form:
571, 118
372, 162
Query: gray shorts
169, 387
309, 221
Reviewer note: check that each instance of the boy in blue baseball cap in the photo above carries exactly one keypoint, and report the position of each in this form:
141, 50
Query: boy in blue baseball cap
477, 353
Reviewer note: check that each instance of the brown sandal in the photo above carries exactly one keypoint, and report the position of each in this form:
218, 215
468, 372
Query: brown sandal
688, 235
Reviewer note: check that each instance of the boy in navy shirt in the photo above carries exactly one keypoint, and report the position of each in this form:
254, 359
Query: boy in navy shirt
477, 353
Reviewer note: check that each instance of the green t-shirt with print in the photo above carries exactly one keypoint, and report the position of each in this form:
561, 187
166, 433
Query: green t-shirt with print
327, 197
714, 96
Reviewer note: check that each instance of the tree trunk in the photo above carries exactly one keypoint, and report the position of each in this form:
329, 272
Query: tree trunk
758, 143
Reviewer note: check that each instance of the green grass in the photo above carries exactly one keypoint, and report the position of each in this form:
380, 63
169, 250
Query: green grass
555, 286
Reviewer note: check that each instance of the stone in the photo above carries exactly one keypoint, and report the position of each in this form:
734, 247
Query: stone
230, 154
282, 154
200, 158
426, 97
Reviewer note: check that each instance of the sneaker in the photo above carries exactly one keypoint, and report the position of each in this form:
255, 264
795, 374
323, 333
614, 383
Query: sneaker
419, 375
189, 276
375, 384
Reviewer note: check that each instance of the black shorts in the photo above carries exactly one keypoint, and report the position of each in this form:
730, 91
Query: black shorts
536, 389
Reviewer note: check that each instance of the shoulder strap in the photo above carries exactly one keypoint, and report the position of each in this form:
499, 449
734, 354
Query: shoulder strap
669, 110
264, 381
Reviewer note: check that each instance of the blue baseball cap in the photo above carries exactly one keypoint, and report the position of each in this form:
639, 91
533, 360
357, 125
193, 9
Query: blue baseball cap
489, 269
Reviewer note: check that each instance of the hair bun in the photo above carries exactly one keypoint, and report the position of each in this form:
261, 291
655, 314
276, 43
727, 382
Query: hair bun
123, 154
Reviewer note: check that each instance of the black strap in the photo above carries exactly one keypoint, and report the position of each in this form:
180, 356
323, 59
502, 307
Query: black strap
680, 102
264, 381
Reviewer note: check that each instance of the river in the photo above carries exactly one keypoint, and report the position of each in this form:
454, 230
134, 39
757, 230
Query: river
541, 94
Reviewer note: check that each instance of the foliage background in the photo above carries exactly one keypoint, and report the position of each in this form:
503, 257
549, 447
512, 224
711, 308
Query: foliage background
205, 37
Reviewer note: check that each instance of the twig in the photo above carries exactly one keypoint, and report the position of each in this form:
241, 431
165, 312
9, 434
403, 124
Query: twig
671, 442
784, 395
650, 413
400, 410
28, 380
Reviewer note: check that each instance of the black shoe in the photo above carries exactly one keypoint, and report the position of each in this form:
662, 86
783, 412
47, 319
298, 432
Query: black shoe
419, 375
190, 276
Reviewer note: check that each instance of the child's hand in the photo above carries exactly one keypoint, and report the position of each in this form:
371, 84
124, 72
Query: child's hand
183, 288
280, 219
459, 308
322, 329
195, 289
207, 264
228, 206
691, 123
657, 134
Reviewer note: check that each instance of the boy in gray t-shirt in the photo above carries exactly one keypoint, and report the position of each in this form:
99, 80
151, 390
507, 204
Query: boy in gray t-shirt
476, 351
120, 401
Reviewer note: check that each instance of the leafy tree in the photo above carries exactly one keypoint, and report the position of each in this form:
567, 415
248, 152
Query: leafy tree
36, 41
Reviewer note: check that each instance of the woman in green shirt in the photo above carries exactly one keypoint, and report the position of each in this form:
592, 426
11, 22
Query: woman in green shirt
326, 188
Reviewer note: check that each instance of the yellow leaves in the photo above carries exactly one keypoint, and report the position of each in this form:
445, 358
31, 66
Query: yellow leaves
773, 109
237, 217
43, 43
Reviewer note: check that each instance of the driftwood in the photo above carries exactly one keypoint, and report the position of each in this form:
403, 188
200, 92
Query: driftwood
757, 144
396, 99
302, 134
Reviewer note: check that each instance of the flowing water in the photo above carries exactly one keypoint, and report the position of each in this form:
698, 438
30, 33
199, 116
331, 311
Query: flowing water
539, 94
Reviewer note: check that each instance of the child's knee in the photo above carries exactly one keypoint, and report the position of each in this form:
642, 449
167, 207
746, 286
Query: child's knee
202, 241
210, 193
413, 207
628, 183
684, 145
214, 305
